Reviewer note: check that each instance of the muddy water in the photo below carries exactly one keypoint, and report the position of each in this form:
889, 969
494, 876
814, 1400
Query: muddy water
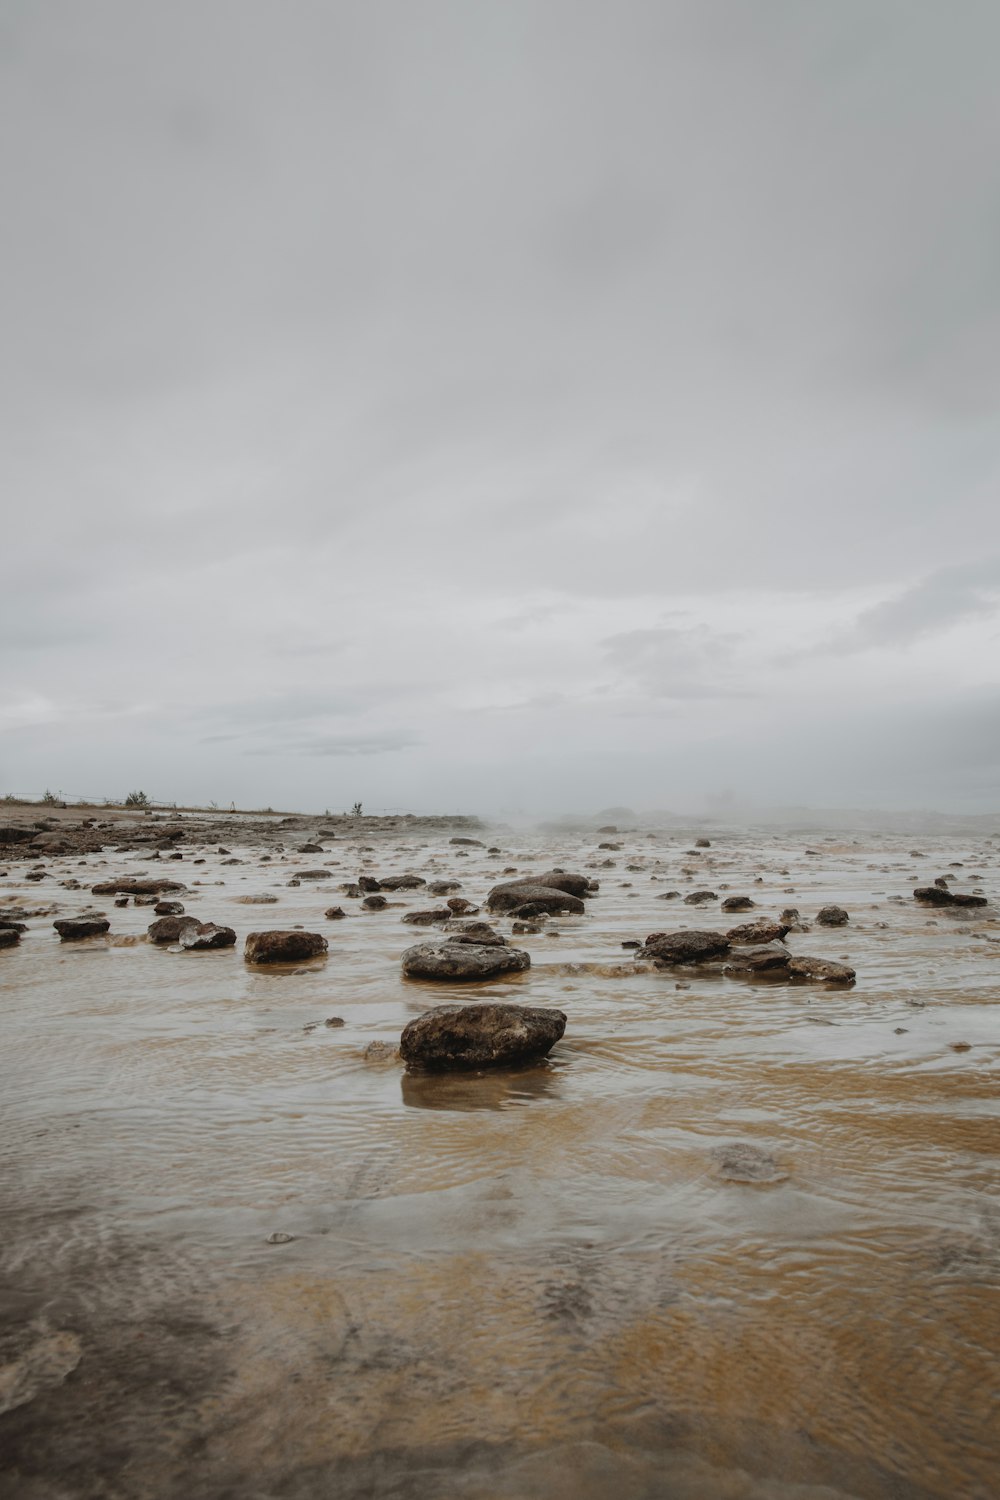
514, 1285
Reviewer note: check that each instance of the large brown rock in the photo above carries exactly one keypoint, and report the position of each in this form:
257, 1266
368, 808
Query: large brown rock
480, 1036
939, 895
169, 929
9, 937
463, 962
684, 947
129, 885
72, 929
514, 894
283, 947
738, 903
832, 916
402, 882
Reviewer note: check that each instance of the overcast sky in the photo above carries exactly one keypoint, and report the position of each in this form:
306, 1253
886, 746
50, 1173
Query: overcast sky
496, 404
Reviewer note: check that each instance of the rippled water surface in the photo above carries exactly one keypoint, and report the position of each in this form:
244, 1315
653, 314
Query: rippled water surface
527, 1284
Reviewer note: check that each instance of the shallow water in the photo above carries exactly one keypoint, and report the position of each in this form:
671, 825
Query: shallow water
540, 1283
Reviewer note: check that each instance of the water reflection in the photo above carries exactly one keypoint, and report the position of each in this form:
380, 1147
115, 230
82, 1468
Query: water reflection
495, 1088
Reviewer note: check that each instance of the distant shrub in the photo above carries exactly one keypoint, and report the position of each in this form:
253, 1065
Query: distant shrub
137, 799
356, 811
49, 799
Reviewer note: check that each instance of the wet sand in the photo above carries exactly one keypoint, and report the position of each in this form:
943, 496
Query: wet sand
538, 1283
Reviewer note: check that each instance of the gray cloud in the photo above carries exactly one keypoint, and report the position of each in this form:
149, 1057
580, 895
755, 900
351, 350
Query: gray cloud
672, 662
541, 377
943, 599
340, 745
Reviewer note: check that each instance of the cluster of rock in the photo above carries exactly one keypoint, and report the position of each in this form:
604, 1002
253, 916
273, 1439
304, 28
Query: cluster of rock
754, 948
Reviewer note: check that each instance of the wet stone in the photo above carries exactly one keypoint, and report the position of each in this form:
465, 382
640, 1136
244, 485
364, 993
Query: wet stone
480, 1036
283, 947
461, 962
832, 916
72, 929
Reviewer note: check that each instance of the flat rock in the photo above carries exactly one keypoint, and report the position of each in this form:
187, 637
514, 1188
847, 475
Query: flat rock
402, 882
514, 894
761, 931
821, 969
283, 947
128, 885
699, 898
428, 918
71, 929
463, 961
684, 947
480, 1036
756, 960
563, 880
939, 895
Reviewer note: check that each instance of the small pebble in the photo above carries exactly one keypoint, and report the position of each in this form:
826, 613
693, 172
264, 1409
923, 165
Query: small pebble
279, 1237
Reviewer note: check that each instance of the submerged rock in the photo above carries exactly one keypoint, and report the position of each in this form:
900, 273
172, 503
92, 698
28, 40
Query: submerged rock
825, 969
374, 903
428, 918
459, 961
72, 929
480, 1036
743, 1162
699, 898
9, 937
402, 882
684, 947
283, 947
